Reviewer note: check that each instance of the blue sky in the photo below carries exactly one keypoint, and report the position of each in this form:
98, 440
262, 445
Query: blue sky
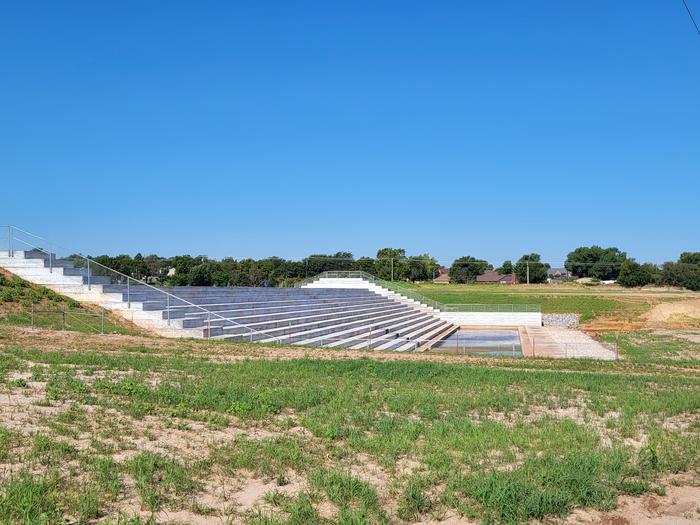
288, 128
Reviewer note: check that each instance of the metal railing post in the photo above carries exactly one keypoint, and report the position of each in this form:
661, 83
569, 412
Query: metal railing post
208, 326
50, 260
168, 308
88, 275
10, 250
128, 292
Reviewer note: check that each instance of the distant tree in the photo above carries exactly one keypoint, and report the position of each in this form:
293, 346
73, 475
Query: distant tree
315, 264
466, 269
633, 274
537, 269
154, 267
505, 268
689, 258
680, 274
391, 263
364, 264
201, 275
594, 261
139, 267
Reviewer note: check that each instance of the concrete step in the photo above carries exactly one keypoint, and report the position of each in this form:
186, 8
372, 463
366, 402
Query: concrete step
289, 318
342, 333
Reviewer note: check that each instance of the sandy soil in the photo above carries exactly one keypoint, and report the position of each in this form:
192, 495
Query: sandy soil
679, 506
665, 312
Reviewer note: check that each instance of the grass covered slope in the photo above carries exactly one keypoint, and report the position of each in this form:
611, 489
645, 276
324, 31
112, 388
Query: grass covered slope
52, 310
188, 431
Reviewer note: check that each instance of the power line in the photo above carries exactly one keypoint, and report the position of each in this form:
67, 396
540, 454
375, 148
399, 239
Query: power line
690, 14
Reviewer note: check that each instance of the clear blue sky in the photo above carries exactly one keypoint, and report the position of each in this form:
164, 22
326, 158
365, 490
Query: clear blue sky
288, 128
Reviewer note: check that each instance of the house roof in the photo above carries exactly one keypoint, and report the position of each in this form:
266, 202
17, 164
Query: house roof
443, 276
495, 277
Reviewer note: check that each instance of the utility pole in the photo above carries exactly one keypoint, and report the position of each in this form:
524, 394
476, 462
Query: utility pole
527, 264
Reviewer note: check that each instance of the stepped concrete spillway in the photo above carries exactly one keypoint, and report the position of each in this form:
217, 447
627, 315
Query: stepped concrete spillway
356, 314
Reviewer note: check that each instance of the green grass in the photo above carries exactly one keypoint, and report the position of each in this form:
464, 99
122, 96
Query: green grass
481, 437
586, 302
645, 346
159, 479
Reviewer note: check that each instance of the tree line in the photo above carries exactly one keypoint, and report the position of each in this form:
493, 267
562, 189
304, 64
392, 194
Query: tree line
393, 264
593, 262
188, 270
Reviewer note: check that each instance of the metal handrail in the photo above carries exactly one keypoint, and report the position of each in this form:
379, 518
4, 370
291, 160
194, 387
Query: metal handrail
466, 307
12, 238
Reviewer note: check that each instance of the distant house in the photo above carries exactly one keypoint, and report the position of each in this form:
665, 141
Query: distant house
559, 274
495, 277
443, 276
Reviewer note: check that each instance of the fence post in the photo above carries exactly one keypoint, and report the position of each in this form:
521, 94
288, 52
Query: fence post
50, 260
88, 275
102, 322
33, 318
63, 317
533, 348
208, 326
10, 251
128, 292
167, 300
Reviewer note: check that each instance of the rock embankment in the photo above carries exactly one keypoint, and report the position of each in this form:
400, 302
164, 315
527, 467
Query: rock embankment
561, 320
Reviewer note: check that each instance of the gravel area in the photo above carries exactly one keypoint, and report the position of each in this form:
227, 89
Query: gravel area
562, 320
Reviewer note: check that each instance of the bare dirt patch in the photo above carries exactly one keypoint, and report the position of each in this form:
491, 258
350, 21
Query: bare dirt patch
677, 314
679, 506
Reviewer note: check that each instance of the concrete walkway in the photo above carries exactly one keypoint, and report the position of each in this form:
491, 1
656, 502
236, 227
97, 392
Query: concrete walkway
556, 342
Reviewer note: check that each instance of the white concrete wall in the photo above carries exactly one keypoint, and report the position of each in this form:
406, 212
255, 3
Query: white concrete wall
492, 318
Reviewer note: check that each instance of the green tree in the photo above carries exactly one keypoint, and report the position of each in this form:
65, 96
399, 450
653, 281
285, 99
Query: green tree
690, 258
594, 261
531, 265
391, 263
633, 274
680, 274
505, 268
466, 269
201, 275
364, 264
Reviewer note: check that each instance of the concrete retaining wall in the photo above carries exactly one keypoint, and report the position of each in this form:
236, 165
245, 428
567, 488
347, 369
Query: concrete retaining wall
492, 318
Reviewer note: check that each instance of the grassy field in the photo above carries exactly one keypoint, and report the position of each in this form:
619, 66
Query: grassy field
144, 430
589, 301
